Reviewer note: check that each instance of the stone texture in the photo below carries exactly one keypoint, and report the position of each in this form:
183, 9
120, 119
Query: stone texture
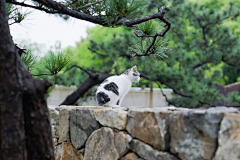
64, 115
106, 144
222, 109
64, 120
150, 126
66, 151
82, 124
55, 141
147, 152
114, 118
229, 138
54, 120
190, 134
130, 156
194, 133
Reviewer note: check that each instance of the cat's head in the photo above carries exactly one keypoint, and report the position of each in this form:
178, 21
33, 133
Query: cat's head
133, 74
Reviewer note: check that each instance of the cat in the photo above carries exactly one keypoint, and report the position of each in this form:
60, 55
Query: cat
112, 90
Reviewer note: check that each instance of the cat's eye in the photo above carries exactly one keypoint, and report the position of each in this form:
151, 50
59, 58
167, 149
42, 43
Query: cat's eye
135, 74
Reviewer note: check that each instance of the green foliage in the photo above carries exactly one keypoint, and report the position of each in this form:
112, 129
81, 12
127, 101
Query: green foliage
116, 9
143, 41
147, 28
201, 39
234, 98
29, 60
204, 50
55, 62
15, 15
85, 58
204, 42
110, 10
157, 51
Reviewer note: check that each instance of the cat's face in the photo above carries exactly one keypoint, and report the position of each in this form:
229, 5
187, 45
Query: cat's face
133, 74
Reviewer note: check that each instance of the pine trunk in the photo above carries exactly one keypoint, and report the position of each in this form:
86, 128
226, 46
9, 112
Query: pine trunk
25, 131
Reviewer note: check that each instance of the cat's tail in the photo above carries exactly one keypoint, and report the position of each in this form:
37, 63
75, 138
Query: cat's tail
102, 98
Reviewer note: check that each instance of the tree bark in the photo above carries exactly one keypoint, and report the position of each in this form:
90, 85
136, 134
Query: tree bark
25, 132
87, 84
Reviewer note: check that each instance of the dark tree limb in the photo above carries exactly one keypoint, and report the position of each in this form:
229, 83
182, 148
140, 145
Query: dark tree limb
99, 78
90, 72
160, 16
165, 96
31, 6
89, 4
220, 20
99, 54
20, 50
60, 8
12, 137
200, 64
25, 132
85, 86
43, 74
101, 21
229, 63
204, 37
92, 80
175, 90
37, 125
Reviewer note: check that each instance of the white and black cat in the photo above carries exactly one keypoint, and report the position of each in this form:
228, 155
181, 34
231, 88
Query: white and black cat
113, 89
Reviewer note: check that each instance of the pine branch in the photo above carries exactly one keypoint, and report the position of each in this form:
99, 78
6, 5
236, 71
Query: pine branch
97, 53
83, 88
175, 90
20, 50
220, 20
83, 69
200, 64
43, 74
62, 9
86, 70
89, 4
13, 23
160, 16
30, 6
229, 63
164, 95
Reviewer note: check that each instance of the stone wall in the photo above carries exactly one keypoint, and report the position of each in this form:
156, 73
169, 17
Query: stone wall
97, 133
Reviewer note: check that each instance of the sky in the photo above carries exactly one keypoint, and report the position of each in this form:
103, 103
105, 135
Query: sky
46, 29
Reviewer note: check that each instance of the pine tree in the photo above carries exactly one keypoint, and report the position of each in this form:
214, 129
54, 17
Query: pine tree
25, 129
204, 51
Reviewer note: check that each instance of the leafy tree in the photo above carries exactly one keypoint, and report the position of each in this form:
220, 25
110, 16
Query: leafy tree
204, 51
24, 123
209, 45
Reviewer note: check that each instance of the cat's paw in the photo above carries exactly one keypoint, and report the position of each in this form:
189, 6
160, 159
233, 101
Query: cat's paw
105, 105
171, 108
114, 106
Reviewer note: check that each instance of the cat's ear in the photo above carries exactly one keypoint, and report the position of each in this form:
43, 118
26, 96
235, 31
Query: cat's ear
134, 68
126, 72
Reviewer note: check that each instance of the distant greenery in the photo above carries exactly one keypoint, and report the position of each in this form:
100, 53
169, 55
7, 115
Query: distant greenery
201, 49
